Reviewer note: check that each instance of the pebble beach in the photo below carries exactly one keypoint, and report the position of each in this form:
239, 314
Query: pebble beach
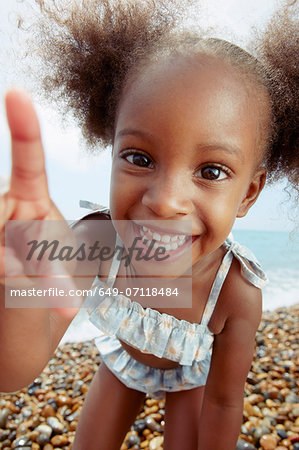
45, 414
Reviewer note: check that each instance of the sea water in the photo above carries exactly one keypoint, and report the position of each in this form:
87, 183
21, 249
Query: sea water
278, 254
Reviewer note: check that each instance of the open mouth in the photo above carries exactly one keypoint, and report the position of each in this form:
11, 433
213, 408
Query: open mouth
167, 241
152, 239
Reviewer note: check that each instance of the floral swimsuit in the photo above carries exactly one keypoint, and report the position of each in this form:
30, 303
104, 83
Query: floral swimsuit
148, 330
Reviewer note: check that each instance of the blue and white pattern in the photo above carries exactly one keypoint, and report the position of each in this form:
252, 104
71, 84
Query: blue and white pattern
189, 344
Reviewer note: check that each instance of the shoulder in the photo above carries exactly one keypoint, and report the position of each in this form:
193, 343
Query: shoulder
241, 304
95, 226
239, 301
93, 215
245, 299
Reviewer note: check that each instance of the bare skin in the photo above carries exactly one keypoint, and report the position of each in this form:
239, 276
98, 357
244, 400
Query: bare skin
27, 199
109, 410
183, 410
164, 135
177, 149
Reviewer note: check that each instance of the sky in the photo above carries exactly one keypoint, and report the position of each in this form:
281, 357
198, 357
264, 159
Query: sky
72, 173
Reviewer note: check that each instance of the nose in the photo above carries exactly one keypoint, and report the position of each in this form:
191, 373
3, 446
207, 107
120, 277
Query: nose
169, 197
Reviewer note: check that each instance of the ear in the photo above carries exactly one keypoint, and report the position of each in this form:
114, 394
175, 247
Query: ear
256, 185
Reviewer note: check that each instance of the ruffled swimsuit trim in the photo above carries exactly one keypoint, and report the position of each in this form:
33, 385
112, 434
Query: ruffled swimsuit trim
163, 335
149, 331
147, 379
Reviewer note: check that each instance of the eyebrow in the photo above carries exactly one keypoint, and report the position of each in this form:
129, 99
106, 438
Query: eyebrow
133, 132
231, 149
227, 147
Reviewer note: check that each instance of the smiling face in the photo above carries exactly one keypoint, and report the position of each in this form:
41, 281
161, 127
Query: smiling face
185, 150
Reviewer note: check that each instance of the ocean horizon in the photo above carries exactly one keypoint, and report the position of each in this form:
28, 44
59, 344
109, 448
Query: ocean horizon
278, 254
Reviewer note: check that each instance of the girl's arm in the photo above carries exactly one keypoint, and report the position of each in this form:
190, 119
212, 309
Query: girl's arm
221, 415
28, 339
28, 336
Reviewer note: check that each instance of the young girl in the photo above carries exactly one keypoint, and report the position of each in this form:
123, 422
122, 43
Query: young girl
196, 124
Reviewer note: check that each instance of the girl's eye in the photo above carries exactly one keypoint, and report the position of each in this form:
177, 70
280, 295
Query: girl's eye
212, 173
138, 159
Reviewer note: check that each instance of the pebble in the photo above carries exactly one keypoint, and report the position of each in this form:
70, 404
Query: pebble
260, 431
268, 442
42, 439
132, 440
139, 425
244, 445
152, 424
46, 413
156, 443
58, 441
34, 446
44, 429
4, 413
21, 442
55, 424
282, 434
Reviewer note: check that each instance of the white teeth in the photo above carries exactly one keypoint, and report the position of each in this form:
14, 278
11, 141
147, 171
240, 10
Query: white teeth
169, 242
156, 237
168, 247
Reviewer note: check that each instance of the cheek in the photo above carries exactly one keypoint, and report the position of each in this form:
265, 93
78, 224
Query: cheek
221, 212
116, 194
122, 194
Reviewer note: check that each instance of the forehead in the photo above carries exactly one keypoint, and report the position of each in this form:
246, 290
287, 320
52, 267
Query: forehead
187, 81
198, 94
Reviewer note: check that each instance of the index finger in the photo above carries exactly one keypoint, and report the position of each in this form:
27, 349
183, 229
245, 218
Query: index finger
28, 178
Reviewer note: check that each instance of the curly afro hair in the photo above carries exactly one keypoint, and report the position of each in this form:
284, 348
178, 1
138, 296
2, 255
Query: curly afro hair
86, 49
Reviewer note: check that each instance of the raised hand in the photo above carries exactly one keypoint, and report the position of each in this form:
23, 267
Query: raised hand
28, 197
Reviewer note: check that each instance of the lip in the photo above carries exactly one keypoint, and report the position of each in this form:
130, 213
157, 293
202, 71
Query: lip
173, 255
183, 230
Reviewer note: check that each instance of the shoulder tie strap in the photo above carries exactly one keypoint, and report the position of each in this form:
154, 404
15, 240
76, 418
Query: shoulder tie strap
216, 287
251, 268
92, 206
96, 207
115, 263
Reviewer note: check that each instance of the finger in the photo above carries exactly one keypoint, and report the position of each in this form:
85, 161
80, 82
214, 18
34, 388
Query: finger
67, 312
28, 178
